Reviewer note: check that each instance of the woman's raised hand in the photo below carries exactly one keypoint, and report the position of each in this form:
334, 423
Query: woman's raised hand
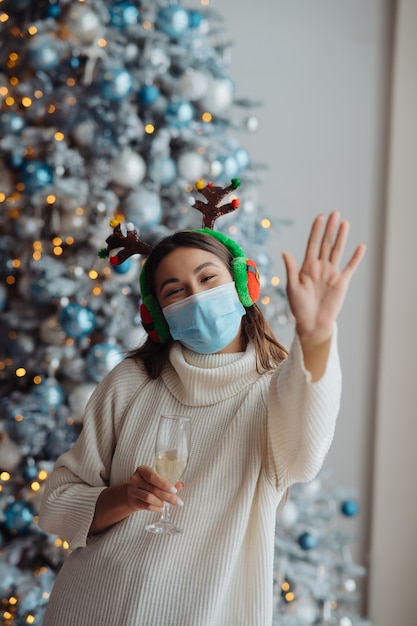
317, 289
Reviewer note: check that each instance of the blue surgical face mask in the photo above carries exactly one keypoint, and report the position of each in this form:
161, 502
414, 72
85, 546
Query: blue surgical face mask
208, 321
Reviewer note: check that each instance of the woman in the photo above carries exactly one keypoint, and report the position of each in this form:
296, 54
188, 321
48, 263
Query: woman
261, 420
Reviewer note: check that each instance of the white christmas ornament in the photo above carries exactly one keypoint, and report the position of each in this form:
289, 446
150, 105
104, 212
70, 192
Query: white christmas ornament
10, 455
191, 166
83, 23
219, 96
143, 208
193, 84
79, 398
128, 168
288, 516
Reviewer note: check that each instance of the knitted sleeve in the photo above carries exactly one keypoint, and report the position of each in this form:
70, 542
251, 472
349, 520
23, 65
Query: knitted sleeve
71, 491
302, 416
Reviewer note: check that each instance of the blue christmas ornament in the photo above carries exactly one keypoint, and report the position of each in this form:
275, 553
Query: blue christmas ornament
148, 94
40, 290
350, 508
49, 392
123, 268
173, 20
179, 113
11, 122
36, 175
77, 321
194, 18
116, 83
18, 517
101, 359
43, 52
30, 471
123, 13
163, 171
307, 541
53, 9
229, 167
14, 160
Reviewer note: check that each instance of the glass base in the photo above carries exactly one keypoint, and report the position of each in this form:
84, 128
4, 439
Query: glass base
164, 528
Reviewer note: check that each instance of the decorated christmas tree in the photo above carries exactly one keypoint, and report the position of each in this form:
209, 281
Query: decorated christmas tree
316, 578
110, 111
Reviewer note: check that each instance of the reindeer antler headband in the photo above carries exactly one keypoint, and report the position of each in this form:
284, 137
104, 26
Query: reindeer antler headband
125, 242
128, 243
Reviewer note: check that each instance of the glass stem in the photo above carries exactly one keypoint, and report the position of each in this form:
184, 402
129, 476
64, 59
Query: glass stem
165, 513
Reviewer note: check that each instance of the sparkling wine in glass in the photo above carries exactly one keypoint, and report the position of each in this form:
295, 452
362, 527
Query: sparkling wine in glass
172, 448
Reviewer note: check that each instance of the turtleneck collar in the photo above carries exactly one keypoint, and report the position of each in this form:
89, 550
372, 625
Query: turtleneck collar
203, 379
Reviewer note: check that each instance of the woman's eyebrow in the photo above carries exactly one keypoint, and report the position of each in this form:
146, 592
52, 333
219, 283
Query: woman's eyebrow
169, 281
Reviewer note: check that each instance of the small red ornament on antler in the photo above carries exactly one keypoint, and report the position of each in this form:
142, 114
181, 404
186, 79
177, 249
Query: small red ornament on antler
214, 195
125, 244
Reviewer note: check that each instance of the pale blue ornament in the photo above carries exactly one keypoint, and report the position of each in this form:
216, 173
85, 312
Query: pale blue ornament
50, 393
179, 113
116, 83
143, 208
173, 20
43, 52
242, 158
228, 167
11, 122
36, 175
77, 321
123, 13
101, 359
162, 171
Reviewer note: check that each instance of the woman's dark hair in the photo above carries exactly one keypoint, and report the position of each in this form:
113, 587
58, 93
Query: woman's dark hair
269, 352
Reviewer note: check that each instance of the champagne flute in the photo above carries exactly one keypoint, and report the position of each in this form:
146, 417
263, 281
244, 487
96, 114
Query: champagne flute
172, 447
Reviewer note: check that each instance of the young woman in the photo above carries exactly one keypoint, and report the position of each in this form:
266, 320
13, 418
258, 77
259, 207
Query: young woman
262, 419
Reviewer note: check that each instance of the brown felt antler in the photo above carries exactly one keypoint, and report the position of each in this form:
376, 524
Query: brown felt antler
214, 195
127, 244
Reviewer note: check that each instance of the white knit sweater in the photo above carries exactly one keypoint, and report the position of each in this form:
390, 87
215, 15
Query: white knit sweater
252, 437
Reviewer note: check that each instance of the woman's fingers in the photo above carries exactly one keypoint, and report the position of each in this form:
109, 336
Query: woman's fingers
354, 261
314, 240
328, 241
149, 490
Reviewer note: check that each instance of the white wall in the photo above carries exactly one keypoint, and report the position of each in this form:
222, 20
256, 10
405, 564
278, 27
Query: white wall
321, 67
393, 598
